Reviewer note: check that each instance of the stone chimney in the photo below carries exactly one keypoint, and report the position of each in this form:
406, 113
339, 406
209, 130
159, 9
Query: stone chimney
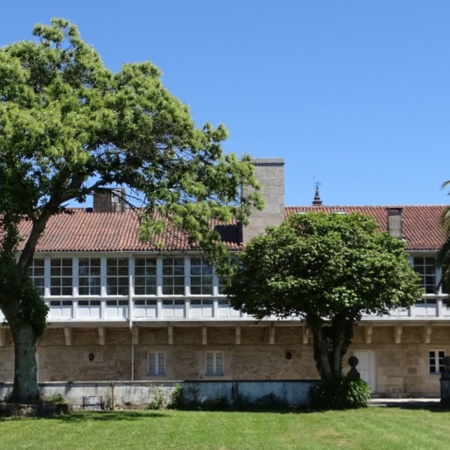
270, 174
395, 222
110, 200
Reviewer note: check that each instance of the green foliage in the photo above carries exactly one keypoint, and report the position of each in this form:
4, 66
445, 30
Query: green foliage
177, 398
29, 306
70, 127
443, 258
340, 393
159, 399
327, 269
56, 399
323, 264
188, 399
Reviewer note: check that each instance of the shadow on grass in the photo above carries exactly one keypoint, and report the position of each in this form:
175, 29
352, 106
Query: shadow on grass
105, 416
414, 405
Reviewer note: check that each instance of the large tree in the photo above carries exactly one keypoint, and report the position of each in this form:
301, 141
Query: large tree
327, 269
70, 127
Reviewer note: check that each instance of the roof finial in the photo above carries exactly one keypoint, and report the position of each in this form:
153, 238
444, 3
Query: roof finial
317, 201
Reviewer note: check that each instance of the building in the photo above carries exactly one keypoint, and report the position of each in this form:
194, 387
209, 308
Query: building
121, 309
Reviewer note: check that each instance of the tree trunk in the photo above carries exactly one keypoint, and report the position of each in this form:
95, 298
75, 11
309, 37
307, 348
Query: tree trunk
330, 342
26, 388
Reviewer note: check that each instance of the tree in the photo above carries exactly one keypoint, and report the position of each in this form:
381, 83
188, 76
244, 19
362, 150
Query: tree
443, 258
326, 269
69, 127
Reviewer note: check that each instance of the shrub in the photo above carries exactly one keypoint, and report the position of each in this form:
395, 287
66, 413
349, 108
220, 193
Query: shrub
56, 399
159, 399
340, 393
177, 400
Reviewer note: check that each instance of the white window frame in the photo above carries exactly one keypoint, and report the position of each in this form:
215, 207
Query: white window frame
146, 270
91, 285
61, 276
156, 364
422, 266
116, 281
171, 273
214, 364
435, 361
203, 276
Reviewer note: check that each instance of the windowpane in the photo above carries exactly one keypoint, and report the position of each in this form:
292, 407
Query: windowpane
145, 280
156, 364
89, 276
61, 280
214, 364
426, 268
201, 277
436, 361
117, 276
173, 276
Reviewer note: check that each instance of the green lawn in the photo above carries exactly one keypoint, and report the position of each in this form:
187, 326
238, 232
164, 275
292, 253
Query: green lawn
370, 428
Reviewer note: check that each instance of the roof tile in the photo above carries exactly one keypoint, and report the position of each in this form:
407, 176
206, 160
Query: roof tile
80, 230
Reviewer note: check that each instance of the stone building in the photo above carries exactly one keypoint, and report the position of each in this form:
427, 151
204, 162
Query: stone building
121, 309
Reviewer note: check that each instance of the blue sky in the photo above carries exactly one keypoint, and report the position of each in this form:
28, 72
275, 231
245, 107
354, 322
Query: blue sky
352, 94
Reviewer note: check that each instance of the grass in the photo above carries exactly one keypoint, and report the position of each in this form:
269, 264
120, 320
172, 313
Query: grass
370, 428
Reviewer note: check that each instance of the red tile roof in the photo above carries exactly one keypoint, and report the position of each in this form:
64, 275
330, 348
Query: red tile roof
422, 228
80, 230
84, 231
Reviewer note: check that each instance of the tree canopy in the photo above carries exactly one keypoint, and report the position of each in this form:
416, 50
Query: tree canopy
443, 258
70, 127
327, 269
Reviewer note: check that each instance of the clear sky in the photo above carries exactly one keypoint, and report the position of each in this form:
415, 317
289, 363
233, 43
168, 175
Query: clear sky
354, 94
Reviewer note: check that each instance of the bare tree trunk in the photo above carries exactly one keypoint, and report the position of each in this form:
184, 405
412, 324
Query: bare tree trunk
26, 388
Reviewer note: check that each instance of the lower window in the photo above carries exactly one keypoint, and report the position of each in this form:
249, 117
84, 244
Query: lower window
156, 364
214, 364
435, 361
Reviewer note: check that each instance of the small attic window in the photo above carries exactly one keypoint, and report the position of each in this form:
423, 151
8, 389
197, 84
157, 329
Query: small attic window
340, 213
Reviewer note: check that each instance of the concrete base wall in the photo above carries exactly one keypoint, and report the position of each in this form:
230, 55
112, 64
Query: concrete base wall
129, 393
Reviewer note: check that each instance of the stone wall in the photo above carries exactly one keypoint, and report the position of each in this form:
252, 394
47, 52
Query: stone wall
256, 352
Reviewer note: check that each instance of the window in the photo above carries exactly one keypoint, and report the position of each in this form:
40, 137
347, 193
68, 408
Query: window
173, 276
89, 303
116, 302
201, 277
89, 276
61, 276
156, 364
202, 302
214, 364
426, 267
61, 303
435, 361
117, 276
36, 273
145, 302
145, 276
